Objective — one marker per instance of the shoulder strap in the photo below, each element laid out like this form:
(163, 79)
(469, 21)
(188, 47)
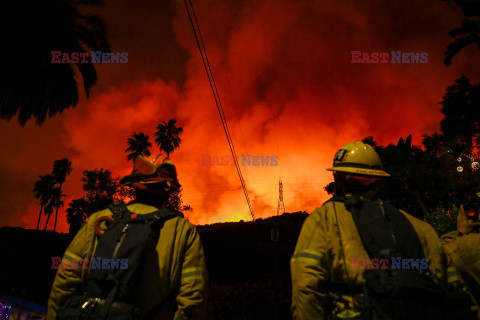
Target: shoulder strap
(154, 217)
(353, 201)
(118, 209)
(385, 231)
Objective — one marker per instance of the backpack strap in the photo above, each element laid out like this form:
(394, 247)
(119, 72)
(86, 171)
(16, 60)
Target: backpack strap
(384, 230)
(155, 217)
(118, 209)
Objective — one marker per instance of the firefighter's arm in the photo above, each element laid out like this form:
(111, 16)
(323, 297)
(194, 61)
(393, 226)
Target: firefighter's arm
(464, 226)
(193, 282)
(450, 237)
(309, 271)
(455, 278)
(68, 280)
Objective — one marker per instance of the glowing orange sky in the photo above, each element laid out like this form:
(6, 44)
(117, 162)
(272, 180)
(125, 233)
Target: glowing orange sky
(284, 74)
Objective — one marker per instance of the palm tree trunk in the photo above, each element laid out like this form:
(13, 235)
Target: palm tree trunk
(46, 224)
(39, 216)
(56, 209)
(55, 224)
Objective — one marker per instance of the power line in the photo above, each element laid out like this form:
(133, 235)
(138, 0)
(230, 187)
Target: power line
(211, 80)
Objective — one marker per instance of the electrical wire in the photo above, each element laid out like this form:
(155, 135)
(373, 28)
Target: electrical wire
(213, 86)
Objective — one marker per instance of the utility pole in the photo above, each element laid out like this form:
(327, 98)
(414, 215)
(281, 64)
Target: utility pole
(280, 197)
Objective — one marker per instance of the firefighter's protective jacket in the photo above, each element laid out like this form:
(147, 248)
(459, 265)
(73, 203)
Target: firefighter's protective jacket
(175, 278)
(327, 243)
(464, 250)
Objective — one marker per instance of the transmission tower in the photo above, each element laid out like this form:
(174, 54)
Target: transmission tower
(280, 197)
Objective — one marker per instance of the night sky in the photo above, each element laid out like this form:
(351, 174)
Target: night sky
(283, 69)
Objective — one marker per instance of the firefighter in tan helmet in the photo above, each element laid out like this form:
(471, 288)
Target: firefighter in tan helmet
(354, 232)
(172, 281)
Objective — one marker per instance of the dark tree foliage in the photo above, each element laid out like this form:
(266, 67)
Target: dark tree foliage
(43, 190)
(48, 189)
(138, 145)
(414, 176)
(461, 125)
(430, 180)
(167, 136)
(100, 189)
(441, 173)
(55, 202)
(48, 212)
(61, 169)
(77, 214)
(31, 86)
(175, 202)
(469, 31)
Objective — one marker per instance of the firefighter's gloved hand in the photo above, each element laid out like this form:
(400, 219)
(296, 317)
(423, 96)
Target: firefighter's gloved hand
(465, 225)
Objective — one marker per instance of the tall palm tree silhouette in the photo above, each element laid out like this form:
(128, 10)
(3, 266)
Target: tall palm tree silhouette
(43, 190)
(55, 202)
(167, 136)
(138, 145)
(61, 168)
(31, 85)
(48, 212)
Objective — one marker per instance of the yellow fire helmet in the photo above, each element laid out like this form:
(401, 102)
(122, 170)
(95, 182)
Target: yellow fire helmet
(146, 172)
(358, 158)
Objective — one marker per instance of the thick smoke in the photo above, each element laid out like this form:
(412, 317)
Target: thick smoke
(284, 73)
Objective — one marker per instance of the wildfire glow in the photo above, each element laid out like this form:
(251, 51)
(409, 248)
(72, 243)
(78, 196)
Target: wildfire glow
(288, 89)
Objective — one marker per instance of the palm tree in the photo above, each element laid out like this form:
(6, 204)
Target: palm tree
(55, 202)
(48, 211)
(468, 33)
(43, 189)
(167, 136)
(61, 168)
(138, 145)
(77, 214)
(33, 86)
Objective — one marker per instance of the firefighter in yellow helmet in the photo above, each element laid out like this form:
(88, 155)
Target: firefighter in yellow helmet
(172, 282)
(463, 247)
(330, 258)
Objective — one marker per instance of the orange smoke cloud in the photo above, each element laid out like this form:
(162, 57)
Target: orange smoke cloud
(288, 89)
